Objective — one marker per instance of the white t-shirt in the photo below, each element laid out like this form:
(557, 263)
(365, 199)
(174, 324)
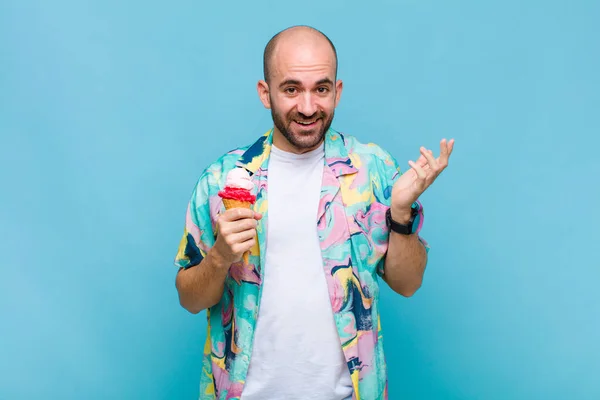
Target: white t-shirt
(297, 352)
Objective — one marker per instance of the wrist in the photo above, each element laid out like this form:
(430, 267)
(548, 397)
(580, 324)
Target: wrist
(401, 215)
(217, 259)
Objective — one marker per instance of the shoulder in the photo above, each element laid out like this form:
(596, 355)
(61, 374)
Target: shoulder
(368, 153)
(213, 175)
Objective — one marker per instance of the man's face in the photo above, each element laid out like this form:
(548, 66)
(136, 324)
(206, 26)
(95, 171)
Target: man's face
(302, 95)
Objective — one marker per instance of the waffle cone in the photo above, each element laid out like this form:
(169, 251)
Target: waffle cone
(232, 203)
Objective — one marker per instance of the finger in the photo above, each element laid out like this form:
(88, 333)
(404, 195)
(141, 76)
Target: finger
(428, 154)
(422, 162)
(445, 150)
(450, 146)
(421, 174)
(240, 248)
(240, 225)
(244, 236)
(235, 214)
(248, 244)
(235, 239)
(257, 216)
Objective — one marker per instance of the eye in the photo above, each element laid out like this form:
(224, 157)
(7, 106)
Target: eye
(290, 90)
(323, 89)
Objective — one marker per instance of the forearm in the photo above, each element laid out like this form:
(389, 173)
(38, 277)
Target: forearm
(405, 261)
(201, 287)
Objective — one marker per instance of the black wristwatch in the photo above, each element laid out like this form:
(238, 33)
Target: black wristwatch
(403, 229)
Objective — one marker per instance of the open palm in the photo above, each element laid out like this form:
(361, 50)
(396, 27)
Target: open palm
(422, 174)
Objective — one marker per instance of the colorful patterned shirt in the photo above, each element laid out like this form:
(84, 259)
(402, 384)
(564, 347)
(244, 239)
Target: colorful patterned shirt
(355, 195)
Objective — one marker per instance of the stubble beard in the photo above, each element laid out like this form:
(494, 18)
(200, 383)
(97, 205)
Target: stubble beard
(309, 138)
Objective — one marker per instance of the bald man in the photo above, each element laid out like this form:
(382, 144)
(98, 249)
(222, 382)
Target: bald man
(299, 318)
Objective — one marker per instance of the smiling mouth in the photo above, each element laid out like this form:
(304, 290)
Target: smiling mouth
(306, 123)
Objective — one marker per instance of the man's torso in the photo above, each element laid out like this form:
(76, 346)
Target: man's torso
(297, 353)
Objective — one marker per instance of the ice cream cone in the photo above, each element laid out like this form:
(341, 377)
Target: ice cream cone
(237, 193)
(231, 203)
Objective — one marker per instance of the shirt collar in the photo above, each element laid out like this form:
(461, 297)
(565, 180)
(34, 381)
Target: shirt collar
(336, 154)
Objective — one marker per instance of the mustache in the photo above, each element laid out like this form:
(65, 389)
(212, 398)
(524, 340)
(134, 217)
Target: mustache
(303, 118)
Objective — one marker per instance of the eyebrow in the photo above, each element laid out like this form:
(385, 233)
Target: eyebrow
(325, 81)
(289, 82)
(298, 83)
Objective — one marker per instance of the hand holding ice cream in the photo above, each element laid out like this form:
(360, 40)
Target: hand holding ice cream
(238, 194)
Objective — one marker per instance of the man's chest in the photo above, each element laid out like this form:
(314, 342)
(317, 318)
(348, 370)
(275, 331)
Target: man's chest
(293, 199)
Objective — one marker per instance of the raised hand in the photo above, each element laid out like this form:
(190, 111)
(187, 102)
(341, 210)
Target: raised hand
(422, 174)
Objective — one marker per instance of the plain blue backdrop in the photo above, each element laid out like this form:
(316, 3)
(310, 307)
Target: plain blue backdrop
(110, 110)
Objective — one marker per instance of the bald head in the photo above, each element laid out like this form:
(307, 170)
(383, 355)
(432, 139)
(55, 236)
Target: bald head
(293, 38)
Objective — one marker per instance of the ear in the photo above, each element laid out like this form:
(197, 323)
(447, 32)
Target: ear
(339, 85)
(263, 93)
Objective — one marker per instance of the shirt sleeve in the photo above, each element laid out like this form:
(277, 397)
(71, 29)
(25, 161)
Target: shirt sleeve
(198, 233)
(389, 172)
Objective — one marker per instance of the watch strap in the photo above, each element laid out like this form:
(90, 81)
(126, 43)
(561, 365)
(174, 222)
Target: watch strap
(405, 229)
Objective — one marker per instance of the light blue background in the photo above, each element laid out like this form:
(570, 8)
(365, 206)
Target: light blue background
(109, 111)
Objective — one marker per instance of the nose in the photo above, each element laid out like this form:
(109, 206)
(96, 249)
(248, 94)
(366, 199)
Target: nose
(306, 104)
